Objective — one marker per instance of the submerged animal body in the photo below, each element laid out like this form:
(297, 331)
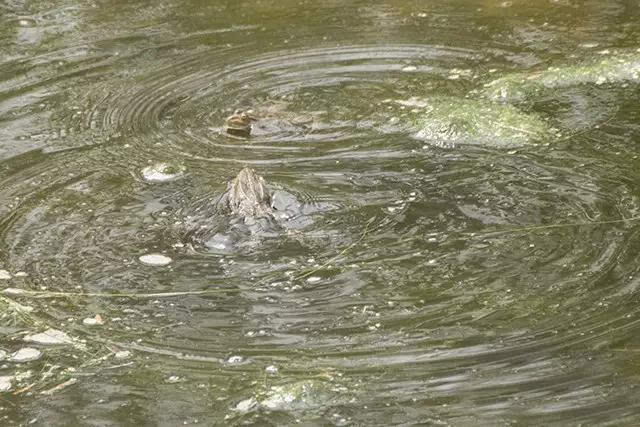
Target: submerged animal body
(268, 119)
(247, 195)
(246, 209)
(239, 124)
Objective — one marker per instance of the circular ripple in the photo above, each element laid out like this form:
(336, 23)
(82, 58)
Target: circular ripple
(469, 275)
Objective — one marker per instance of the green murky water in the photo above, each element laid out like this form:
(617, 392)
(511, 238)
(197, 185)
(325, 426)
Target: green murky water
(462, 247)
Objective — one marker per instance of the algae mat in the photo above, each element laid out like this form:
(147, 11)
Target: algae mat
(610, 69)
(450, 121)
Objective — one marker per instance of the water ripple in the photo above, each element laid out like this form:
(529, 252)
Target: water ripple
(428, 276)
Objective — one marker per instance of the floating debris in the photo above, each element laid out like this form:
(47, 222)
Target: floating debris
(4, 275)
(123, 354)
(59, 387)
(245, 405)
(14, 306)
(93, 321)
(162, 172)
(271, 369)
(26, 354)
(313, 279)
(155, 259)
(23, 376)
(3, 354)
(50, 337)
(301, 395)
(234, 360)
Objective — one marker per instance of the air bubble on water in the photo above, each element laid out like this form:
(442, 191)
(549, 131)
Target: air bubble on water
(5, 383)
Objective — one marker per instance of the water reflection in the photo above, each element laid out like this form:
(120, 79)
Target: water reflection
(418, 282)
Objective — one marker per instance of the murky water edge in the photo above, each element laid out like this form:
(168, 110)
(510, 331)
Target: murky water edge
(460, 245)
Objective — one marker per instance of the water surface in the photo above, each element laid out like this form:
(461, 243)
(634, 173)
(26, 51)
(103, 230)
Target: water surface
(452, 276)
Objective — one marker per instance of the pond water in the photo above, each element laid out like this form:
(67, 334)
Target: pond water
(462, 248)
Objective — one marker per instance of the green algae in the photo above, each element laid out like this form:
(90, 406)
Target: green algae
(447, 121)
(160, 172)
(614, 69)
(301, 395)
